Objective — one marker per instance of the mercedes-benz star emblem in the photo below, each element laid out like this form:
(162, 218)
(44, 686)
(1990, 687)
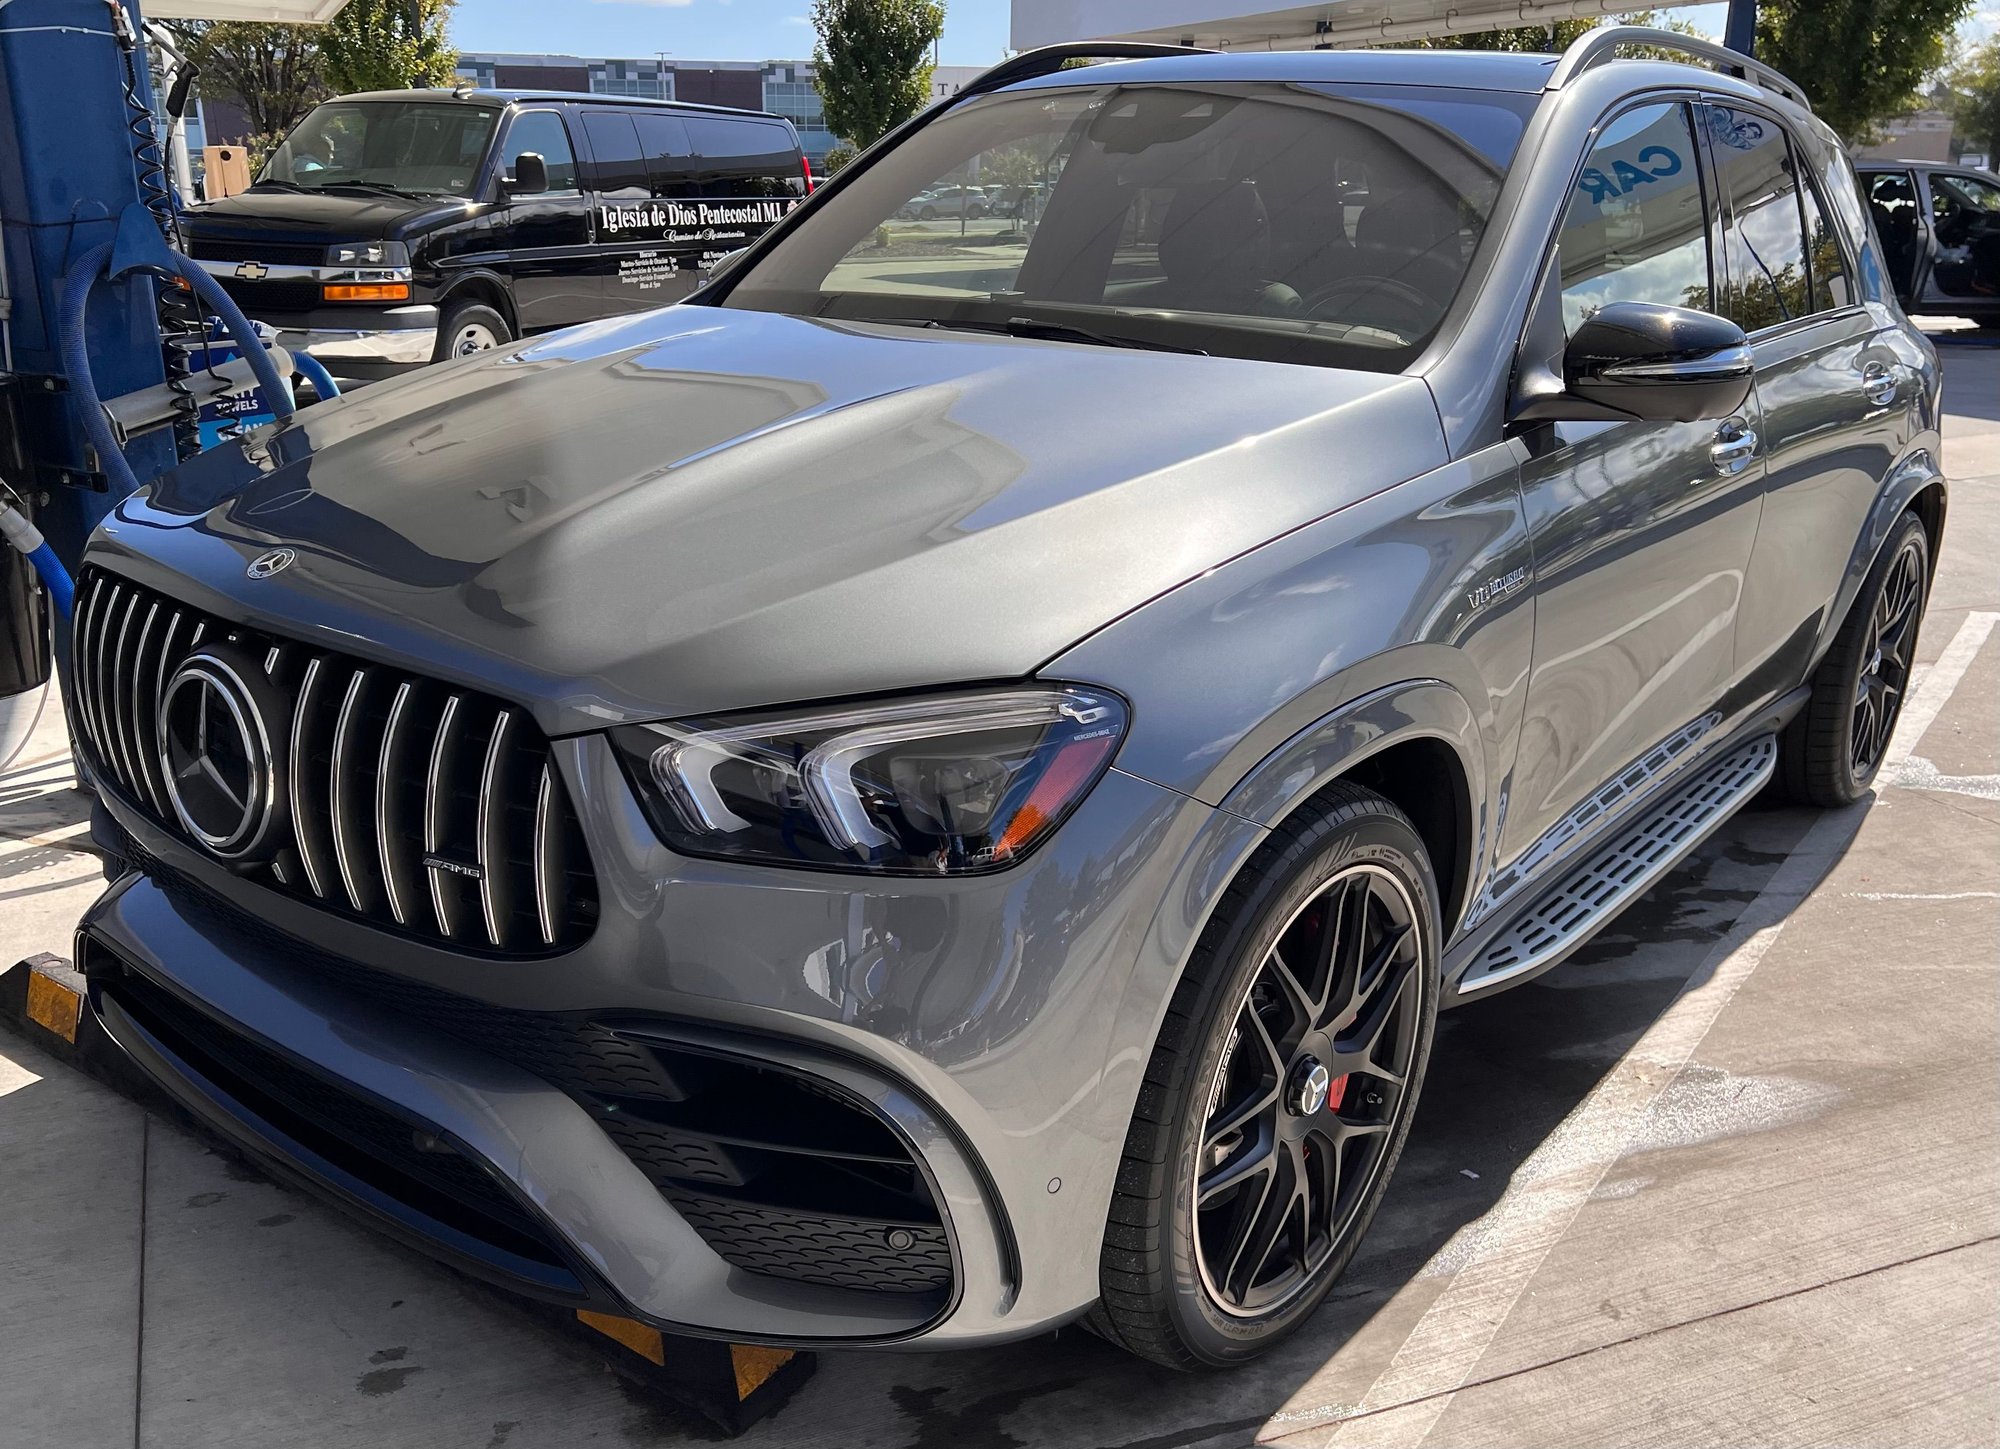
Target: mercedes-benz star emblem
(217, 753)
(274, 562)
(1309, 1088)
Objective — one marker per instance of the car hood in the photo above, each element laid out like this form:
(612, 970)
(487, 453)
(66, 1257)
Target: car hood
(701, 509)
(335, 216)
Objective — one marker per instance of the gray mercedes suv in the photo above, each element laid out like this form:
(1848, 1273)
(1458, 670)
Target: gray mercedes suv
(938, 788)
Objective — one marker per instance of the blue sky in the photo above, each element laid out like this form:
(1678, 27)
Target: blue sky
(975, 31)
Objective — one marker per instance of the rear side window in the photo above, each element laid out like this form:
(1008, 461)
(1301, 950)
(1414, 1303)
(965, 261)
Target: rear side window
(1764, 233)
(663, 140)
(1636, 228)
(620, 165)
(744, 158)
(1826, 262)
(543, 132)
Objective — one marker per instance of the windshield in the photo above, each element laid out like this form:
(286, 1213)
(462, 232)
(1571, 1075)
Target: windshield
(416, 148)
(1277, 221)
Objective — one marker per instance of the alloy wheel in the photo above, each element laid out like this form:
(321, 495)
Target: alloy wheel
(1311, 1085)
(1885, 670)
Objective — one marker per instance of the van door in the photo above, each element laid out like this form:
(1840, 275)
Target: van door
(546, 237)
(648, 250)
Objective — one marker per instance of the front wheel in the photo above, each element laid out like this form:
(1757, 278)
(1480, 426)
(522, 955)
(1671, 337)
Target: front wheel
(1280, 1092)
(1831, 753)
(470, 327)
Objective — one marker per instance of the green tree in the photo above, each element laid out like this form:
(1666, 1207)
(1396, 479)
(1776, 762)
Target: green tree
(1974, 86)
(274, 71)
(1536, 39)
(872, 63)
(1860, 61)
(387, 45)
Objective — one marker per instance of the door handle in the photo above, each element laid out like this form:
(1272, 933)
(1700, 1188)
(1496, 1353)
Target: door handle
(1734, 450)
(1879, 384)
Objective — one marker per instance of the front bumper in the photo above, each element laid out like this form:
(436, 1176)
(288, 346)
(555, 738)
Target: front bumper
(391, 337)
(999, 1024)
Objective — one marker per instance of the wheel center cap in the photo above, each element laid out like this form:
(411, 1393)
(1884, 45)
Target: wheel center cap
(1311, 1083)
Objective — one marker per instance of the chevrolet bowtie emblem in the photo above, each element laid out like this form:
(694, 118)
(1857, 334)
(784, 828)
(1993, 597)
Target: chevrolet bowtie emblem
(252, 271)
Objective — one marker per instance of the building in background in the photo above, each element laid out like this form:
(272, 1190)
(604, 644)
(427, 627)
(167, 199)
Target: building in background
(1919, 136)
(784, 87)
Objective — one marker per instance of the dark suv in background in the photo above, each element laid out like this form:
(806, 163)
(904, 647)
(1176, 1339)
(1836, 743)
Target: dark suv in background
(932, 792)
(396, 228)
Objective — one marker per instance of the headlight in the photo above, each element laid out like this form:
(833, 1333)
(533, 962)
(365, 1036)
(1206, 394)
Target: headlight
(944, 786)
(368, 254)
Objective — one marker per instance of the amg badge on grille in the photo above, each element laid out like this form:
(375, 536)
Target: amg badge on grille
(456, 867)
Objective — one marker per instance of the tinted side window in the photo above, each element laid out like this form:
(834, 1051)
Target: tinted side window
(1765, 246)
(620, 165)
(1825, 260)
(744, 158)
(544, 133)
(663, 139)
(1636, 229)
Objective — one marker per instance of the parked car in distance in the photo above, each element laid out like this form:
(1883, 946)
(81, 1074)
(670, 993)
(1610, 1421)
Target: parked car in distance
(918, 800)
(396, 228)
(1940, 230)
(942, 201)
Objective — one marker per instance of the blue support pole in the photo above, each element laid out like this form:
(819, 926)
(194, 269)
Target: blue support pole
(1740, 32)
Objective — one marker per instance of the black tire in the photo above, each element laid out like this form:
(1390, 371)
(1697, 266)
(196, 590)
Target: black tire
(1161, 1296)
(1830, 754)
(929, 213)
(469, 318)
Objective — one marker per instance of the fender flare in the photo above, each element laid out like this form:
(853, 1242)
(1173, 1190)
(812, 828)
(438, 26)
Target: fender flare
(1917, 471)
(474, 276)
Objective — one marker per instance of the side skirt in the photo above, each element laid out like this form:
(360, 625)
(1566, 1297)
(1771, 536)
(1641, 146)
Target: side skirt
(1554, 922)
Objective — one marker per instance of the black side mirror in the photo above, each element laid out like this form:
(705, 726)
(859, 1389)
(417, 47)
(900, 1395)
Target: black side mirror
(1656, 364)
(531, 174)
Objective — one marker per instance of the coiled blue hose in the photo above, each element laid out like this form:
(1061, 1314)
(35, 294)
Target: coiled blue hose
(77, 282)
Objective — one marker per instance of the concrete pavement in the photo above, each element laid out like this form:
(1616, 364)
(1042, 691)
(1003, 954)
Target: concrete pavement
(1728, 1177)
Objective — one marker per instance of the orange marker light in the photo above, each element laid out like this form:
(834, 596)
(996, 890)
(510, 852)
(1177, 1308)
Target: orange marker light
(366, 291)
(1072, 768)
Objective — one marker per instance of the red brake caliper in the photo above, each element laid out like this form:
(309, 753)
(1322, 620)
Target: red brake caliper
(1335, 1092)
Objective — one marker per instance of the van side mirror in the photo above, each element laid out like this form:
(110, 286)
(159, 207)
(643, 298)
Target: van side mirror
(1650, 363)
(531, 174)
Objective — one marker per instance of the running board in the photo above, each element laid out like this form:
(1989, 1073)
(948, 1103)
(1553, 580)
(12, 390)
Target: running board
(1609, 880)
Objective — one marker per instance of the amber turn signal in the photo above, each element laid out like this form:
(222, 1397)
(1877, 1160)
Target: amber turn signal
(366, 292)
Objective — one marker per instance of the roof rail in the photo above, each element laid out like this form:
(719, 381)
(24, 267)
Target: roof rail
(1049, 58)
(1594, 47)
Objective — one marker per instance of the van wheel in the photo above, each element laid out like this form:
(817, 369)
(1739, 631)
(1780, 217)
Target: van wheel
(1280, 1091)
(470, 327)
(1830, 754)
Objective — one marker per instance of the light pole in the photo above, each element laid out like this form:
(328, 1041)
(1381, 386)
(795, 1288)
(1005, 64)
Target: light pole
(1740, 34)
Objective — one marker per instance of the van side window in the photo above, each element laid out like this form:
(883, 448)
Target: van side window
(744, 158)
(663, 140)
(1764, 231)
(1636, 229)
(544, 133)
(620, 166)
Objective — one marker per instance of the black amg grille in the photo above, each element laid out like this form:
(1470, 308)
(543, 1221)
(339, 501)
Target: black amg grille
(427, 810)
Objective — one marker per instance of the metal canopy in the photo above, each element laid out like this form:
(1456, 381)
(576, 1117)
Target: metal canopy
(291, 12)
(1247, 25)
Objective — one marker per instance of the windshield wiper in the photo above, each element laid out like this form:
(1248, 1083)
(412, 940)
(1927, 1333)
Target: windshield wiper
(381, 187)
(280, 186)
(1043, 331)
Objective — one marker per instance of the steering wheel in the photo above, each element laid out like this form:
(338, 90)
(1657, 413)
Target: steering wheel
(1384, 302)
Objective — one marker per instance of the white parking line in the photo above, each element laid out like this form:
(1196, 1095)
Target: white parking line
(1509, 1244)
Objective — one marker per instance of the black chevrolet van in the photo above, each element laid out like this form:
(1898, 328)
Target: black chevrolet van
(396, 228)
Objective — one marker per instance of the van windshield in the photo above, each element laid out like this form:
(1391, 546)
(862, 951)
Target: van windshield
(1286, 222)
(413, 148)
